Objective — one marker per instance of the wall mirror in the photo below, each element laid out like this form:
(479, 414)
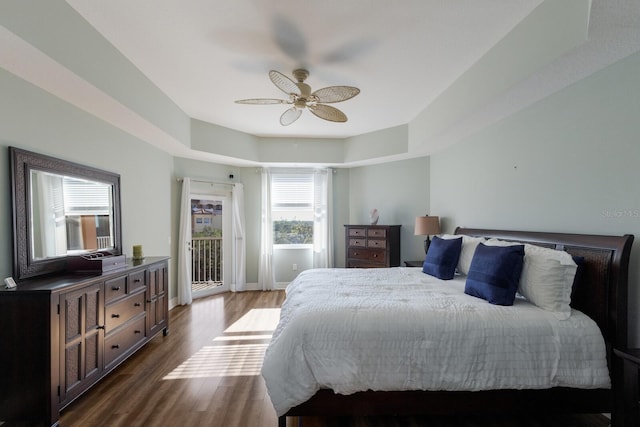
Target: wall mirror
(61, 209)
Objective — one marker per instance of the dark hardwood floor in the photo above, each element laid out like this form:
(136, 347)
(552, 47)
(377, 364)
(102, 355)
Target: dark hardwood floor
(206, 372)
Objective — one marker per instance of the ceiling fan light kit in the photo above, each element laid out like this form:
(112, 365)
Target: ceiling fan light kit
(301, 97)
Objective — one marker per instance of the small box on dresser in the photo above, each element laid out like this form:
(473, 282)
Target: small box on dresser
(372, 246)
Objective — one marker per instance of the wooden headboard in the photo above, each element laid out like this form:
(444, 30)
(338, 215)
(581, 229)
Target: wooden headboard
(601, 290)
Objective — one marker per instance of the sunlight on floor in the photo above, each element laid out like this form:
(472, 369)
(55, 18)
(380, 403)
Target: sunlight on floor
(227, 357)
(222, 361)
(258, 319)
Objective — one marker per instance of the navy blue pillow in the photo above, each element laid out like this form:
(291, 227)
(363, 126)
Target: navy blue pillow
(442, 258)
(494, 273)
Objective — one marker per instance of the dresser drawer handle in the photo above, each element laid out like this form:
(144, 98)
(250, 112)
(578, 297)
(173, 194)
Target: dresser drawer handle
(137, 304)
(115, 346)
(115, 316)
(115, 288)
(356, 253)
(137, 331)
(375, 255)
(137, 281)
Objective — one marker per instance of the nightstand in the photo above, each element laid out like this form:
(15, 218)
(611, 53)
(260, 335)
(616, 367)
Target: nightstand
(413, 263)
(627, 377)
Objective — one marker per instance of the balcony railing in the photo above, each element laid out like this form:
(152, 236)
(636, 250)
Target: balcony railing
(206, 260)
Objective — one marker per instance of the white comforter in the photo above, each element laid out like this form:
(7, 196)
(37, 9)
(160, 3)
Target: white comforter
(399, 329)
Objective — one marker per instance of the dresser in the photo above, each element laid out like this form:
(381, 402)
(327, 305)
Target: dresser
(370, 246)
(62, 333)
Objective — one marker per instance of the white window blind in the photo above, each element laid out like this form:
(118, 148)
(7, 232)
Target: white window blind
(86, 198)
(292, 192)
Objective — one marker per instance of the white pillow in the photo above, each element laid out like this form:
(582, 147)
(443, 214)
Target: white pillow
(469, 245)
(547, 277)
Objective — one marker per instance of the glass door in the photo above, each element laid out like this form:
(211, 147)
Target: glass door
(210, 235)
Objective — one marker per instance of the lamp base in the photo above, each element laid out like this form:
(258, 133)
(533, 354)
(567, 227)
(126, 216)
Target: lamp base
(427, 243)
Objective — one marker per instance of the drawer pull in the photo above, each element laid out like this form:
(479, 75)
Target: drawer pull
(136, 280)
(115, 346)
(115, 288)
(115, 316)
(137, 331)
(137, 304)
(356, 253)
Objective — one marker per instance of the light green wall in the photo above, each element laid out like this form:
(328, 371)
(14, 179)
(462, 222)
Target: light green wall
(400, 192)
(59, 31)
(568, 163)
(37, 121)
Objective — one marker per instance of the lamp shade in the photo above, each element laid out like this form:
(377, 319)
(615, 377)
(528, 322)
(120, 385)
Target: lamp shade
(427, 225)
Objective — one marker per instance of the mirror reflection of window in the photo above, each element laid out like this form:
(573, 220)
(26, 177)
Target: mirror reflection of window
(48, 219)
(69, 215)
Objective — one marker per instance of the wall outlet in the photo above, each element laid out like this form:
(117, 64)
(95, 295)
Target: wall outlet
(9, 283)
(294, 267)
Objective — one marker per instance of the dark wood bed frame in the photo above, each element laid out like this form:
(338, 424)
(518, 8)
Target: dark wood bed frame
(601, 293)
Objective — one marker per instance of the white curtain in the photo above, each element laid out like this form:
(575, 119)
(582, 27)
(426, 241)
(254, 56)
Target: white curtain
(323, 219)
(266, 273)
(239, 246)
(184, 246)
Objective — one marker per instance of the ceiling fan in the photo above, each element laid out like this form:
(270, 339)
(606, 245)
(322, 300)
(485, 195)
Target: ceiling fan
(301, 97)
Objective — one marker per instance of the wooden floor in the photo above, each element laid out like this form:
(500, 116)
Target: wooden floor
(206, 372)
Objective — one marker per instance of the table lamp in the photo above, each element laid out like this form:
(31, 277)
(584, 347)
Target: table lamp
(425, 226)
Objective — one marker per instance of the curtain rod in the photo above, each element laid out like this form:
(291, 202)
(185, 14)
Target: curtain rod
(297, 169)
(207, 181)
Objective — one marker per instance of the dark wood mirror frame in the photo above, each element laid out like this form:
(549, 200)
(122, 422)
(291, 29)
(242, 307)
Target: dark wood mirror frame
(22, 163)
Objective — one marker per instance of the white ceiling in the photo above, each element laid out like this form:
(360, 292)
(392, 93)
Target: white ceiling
(445, 68)
(205, 54)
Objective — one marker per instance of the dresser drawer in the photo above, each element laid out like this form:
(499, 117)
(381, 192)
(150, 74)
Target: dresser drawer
(117, 344)
(357, 232)
(377, 232)
(373, 255)
(363, 263)
(115, 288)
(136, 281)
(376, 243)
(120, 312)
(357, 243)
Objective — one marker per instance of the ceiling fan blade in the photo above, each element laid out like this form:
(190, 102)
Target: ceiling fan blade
(331, 94)
(290, 116)
(284, 83)
(262, 101)
(328, 113)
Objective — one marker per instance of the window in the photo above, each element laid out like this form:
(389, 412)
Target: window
(292, 208)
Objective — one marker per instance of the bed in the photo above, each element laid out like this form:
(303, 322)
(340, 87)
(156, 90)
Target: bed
(311, 377)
